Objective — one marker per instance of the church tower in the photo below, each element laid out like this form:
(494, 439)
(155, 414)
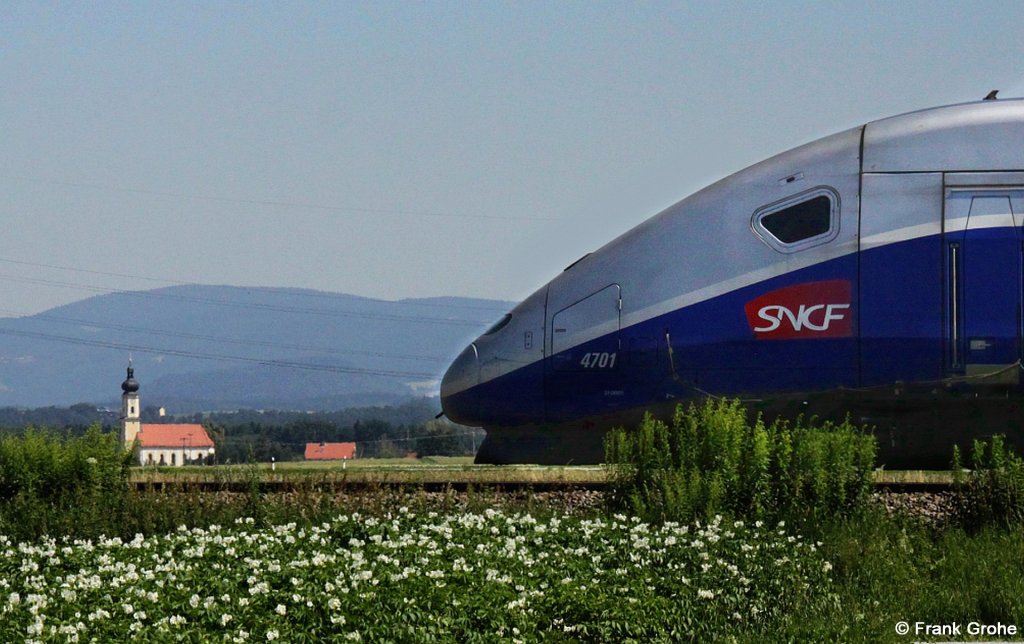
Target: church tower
(130, 419)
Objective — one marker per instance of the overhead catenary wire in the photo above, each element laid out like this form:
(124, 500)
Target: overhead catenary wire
(393, 212)
(292, 364)
(222, 339)
(162, 295)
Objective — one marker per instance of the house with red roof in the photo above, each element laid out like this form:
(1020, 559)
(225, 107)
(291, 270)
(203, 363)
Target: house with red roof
(160, 443)
(330, 451)
(173, 444)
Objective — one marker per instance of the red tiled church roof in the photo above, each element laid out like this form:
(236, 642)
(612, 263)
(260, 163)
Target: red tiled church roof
(174, 435)
(330, 451)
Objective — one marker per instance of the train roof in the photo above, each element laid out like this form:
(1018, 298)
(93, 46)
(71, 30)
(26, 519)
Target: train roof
(969, 137)
(980, 136)
(983, 136)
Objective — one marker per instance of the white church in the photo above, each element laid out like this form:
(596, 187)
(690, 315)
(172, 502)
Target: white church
(160, 443)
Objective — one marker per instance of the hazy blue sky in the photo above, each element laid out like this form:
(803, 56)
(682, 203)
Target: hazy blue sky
(414, 149)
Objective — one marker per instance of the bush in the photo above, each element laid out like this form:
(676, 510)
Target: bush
(992, 492)
(711, 460)
(49, 483)
(41, 464)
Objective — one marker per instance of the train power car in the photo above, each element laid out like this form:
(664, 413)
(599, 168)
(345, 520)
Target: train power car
(875, 273)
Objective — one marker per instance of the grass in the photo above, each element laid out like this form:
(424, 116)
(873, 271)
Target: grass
(892, 569)
(914, 477)
(420, 471)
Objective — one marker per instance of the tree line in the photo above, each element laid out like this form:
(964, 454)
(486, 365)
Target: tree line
(261, 435)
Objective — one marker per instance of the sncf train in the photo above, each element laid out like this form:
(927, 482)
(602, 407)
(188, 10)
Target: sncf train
(876, 273)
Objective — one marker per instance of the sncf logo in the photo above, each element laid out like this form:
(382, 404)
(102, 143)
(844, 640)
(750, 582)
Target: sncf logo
(811, 310)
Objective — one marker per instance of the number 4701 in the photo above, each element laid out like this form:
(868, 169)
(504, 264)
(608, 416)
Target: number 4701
(598, 360)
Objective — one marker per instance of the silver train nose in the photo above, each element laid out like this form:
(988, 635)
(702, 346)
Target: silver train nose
(457, 399)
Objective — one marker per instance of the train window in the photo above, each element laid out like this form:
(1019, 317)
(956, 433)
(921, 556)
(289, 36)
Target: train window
(499, 325)
(806, 220)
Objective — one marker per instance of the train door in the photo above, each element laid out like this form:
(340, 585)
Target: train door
(901, 291)
(586, 355)
(984, 263)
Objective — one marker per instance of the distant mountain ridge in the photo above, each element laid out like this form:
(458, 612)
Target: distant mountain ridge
(206, 348)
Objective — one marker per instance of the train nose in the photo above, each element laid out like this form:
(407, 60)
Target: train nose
(457, 399)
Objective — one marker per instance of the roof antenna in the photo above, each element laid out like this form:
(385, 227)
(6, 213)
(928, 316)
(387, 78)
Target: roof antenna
(991, 96)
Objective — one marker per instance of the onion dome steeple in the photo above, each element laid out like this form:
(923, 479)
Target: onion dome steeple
(130, 422)
(130, 384)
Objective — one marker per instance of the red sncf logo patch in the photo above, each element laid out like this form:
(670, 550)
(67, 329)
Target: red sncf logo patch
(811, 310)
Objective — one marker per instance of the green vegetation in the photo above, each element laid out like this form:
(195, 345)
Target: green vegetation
(82, 487)
(963, 568)
(773, 547)
(55, 485)
(888, 569)
(403, 576)
(39, 464)
(992, 492)
(259, 436)
(711, 460)
(375, 438)
(76, 418)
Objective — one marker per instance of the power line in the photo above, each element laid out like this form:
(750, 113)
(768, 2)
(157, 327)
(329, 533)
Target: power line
(222, 339)
(90, 272)
(213, 356)
(283, 204)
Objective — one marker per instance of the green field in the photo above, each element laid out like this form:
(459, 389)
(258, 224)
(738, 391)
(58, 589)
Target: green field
(407, 577)
(401, 575)
(439, 469)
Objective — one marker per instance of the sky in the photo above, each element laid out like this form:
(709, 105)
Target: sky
(417, 149)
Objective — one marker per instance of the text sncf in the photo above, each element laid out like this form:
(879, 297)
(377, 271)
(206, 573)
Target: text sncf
(774, 314)
(809, 310)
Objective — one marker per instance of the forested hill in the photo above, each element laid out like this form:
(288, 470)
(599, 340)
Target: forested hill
(201, 348)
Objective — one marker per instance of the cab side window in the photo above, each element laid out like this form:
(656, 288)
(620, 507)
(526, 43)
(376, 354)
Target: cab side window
(799, 222)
